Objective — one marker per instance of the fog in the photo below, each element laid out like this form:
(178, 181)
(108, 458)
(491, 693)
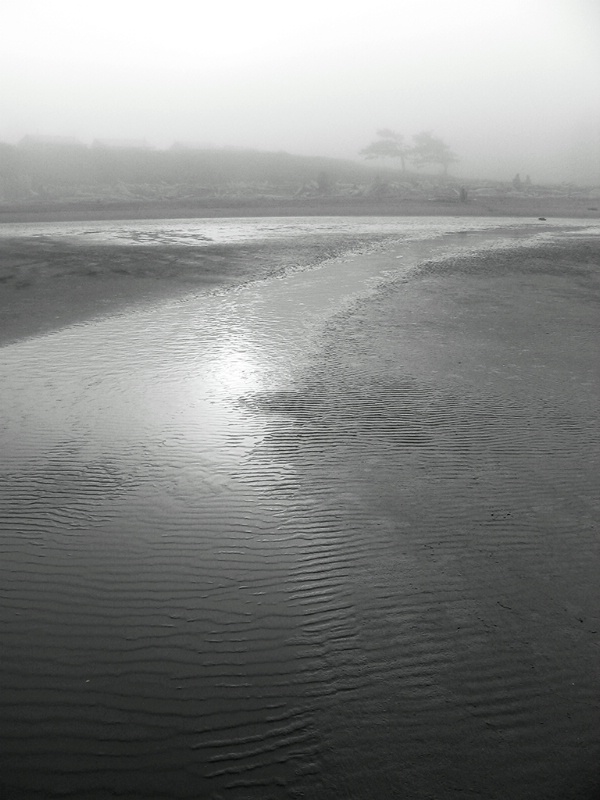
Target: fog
(511, 87)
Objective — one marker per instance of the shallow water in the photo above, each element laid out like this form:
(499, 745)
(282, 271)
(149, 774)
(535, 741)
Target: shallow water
(200, 597)
(228, 230)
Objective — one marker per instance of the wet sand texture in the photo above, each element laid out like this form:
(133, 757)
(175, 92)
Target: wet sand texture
(56, 275)
(49, 282)
(388, 588)
(455, 431)
(533, 206)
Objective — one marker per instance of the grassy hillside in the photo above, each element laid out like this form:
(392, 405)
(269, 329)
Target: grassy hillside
(59, 171)
(45, 177)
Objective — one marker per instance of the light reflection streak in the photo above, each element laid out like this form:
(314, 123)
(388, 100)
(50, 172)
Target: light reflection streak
(237, 368)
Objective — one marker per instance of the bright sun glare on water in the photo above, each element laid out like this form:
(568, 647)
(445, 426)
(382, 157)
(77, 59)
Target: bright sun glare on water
(235, 370)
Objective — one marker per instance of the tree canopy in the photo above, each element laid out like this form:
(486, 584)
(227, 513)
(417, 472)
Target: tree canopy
(389, 145)
(427, 149)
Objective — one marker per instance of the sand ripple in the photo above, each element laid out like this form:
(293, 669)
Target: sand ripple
(375, 579)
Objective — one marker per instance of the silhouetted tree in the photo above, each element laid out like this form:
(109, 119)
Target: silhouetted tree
(389, 145)
(429, 149)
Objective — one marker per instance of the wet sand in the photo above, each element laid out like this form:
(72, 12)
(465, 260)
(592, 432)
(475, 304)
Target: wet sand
(48, 283)
(54, 277)
(426, 205)
(456, 423)
(386, 584)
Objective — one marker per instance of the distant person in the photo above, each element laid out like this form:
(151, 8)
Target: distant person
(517, 182)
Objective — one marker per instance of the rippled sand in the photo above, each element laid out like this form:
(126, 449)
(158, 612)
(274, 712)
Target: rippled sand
(254, 550)
(57, 274)
(51, 281)
(453, 433)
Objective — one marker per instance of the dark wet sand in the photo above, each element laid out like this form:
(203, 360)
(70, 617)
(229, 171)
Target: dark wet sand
(426, 205)
(49, 283)
(412, 612)
(456, 422)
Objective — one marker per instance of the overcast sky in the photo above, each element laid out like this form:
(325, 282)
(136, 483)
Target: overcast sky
(511, 85)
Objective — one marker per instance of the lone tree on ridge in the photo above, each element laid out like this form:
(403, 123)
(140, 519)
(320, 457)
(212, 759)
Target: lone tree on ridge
(389, 145)
(429, 149)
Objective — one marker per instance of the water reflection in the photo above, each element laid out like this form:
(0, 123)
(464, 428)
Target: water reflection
(200, 232)
(185, 592)
(236, 368)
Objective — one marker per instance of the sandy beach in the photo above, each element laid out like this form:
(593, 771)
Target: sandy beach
(49, 283)
(425, 205)
(328, 534)
(467, 400)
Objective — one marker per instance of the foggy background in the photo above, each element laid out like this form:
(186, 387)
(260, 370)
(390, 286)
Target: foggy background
(511, 87)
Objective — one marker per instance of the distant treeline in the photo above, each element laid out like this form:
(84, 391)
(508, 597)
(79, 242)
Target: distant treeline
(39, 169)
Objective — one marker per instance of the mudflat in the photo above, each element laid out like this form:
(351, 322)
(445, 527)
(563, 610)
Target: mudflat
(49, 282)
(458, 410)
(582, 205)
(375, 576)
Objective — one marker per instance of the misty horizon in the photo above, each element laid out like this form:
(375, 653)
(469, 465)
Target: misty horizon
(383, 165)
(511, 90)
